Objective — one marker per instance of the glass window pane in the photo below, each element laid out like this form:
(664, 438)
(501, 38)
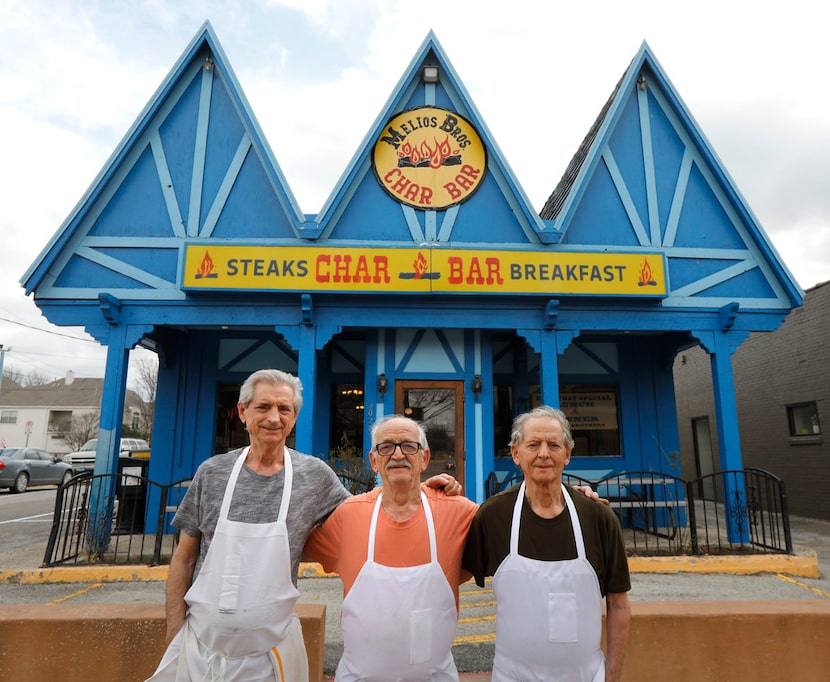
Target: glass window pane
(593, 414)
(803, 419)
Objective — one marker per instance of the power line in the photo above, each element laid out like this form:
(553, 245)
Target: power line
(46, 331)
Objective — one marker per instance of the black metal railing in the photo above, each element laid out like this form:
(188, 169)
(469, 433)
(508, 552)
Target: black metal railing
(728, 512)
(125, 518)
(103, 519)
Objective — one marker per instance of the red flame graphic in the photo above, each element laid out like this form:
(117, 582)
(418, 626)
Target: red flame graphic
(205, 267)
(443, 151)
(419, 265)
(437, 156)
(646, 275)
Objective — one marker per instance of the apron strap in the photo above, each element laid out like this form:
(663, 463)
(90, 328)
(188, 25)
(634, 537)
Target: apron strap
(517, 517)
(226, 499)
(577, 527)
(286, 486)
(433, 545)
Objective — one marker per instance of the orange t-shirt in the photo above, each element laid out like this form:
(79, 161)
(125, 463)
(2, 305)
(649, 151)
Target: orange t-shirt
(341, 542)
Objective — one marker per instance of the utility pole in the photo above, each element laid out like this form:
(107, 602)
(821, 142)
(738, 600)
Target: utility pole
(3, 351)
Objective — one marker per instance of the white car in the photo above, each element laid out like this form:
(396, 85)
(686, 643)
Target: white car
(84, 459)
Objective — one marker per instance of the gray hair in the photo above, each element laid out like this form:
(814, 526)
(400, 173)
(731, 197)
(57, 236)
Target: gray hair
(517, 432)
(422, 434)
(274, 377)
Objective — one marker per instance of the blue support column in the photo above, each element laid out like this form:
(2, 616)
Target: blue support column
(306, 370)
(549, 369)
(102, 496)
(723, 345)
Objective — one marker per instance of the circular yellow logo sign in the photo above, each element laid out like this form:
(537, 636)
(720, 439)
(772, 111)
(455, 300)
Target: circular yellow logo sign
(429, 158)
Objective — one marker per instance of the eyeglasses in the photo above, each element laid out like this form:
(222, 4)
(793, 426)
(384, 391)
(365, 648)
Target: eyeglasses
(408, 447)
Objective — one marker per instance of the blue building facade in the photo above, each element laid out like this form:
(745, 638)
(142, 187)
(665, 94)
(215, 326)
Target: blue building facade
(426, 285)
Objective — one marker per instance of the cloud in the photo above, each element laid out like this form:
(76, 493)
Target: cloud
(318, 72)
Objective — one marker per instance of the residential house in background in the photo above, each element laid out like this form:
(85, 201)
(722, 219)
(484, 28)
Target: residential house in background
(41, 416)
(782, 390)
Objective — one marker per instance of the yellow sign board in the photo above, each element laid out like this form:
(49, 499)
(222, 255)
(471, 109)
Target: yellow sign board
(228, 267)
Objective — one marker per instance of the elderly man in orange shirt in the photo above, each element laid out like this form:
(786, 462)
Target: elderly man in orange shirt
(398, 551)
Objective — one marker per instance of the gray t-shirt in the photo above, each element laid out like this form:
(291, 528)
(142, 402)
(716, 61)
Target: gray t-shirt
(315, 492)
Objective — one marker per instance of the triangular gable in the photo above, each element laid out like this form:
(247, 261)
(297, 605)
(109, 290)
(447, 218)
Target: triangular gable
(195, 165)
(646, 177)
(360, 209)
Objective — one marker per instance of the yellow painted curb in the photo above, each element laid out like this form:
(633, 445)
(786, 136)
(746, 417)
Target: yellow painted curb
(85, 574)
(804, 565)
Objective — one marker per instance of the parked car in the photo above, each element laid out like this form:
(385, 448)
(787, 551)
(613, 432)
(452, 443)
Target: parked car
(22, 467)
(84, 459)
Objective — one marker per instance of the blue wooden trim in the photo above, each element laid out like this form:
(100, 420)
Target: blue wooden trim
(306, 371)
(199, 153)
(648, 165)
(410, 350)
(679, 197)
(225, 188)
(412, 223)
(733, 203)
(533, 338)
(430, 225)
(627, 202)
(123, 268)
(564, 339)
(549, 368)
(448, 223)
(165, 180)
(328, 221)
(448, 349)
(715, 278)
(429, 93)
(291, 334)
(325, 333)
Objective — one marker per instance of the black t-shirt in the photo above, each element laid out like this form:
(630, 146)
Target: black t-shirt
(488, 541)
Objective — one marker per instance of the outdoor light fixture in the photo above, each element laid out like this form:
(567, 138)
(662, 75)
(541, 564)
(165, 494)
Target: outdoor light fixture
(476, 385)
(430, 74)
(383, 384)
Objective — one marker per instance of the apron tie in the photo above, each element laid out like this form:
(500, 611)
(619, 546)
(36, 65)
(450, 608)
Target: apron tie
(223, 666)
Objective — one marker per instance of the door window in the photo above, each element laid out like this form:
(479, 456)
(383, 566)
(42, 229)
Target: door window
(439, 407)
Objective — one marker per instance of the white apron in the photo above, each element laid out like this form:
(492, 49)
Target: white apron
(240, 624)
(548, 614)
(399, 623)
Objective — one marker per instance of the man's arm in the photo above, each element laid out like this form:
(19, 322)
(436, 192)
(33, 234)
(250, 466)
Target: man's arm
(179, 579)
(617, 621)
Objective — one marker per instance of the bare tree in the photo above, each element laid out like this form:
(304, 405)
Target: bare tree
(14, 374)
(84, 426)
(145, 378)
(33, 377)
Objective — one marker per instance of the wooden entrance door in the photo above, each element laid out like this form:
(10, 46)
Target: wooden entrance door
(439, 407)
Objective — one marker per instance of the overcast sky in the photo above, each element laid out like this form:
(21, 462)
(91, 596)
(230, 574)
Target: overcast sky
(75, 74)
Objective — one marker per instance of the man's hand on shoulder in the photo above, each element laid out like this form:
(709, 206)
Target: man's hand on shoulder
(446, 482)
(590, 493)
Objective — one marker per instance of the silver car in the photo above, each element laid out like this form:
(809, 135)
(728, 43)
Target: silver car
(22, 467)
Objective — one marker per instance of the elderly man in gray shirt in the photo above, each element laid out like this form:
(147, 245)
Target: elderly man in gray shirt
(232, 583)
